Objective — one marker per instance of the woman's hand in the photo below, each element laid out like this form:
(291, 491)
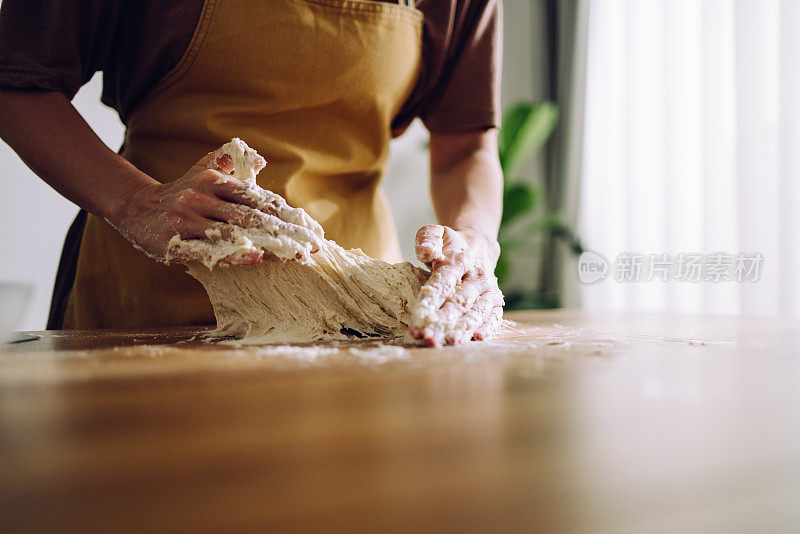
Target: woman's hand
(461, 300)
(206, 198)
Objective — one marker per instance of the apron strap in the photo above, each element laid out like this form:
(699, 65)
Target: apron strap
(65, 276)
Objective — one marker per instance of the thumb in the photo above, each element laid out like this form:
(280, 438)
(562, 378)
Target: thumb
(216, 161)
(428, 243)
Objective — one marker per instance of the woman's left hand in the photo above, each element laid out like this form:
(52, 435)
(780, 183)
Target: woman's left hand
(461, 300)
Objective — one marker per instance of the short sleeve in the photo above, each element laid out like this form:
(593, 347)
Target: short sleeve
(466, 94)
(55, 45)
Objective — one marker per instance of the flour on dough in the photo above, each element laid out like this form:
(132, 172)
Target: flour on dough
(306, 288)
(337, 294)
(287, 233)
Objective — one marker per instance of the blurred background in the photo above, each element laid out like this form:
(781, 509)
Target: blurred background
(634, 131)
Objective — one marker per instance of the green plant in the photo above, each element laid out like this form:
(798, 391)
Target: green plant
(525, 129)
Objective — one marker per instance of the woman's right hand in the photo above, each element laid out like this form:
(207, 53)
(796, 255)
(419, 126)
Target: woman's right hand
(205, 198)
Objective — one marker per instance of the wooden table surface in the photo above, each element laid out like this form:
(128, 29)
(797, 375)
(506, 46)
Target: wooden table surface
(570, 421)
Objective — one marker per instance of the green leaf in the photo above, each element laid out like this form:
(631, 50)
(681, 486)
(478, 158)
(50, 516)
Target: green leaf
(553, 224)
(531, 300)
(511, 244)
(549, 223)
(502, 269)
(518, 200)
(525, 129)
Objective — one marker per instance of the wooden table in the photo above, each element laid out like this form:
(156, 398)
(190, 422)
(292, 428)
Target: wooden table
(569, 422)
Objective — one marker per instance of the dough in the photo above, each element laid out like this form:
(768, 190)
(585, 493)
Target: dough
(336, 294)
(306, 288)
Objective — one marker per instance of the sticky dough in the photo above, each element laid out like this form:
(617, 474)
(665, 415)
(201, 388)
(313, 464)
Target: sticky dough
(306, 288)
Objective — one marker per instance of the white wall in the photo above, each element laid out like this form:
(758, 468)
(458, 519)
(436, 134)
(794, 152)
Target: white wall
(34, 218)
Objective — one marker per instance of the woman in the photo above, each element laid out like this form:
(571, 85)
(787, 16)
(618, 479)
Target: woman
(317, 86)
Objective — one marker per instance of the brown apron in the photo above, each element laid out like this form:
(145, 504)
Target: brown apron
(313, 85)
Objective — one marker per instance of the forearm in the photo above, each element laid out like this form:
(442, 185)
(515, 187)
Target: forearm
(467, 182)
(51, 137)
(461, 299)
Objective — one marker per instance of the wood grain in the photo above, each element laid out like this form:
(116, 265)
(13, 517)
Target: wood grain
(569, 422)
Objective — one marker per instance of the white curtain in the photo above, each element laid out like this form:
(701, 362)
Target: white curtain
(692, 149)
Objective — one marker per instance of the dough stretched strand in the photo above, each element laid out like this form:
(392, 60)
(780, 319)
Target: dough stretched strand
(306, 288)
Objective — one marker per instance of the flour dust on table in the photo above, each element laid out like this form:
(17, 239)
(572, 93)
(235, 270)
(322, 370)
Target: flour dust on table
(305, 288)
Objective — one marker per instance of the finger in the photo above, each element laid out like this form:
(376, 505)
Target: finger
(428, 243)
(214, 180)
(245, 217)
(469, 288)
(461, 320)
(484, 306)
(452, 242)
(222, 163)
(451, 311)
(442, 282)
(431, 297)
(297, 216)
(432, 335)
(236, 214)
(226, 187)
(193, 227)
(455, 262)
(458, 336)
(491, 326)
(436, 331)
(250, 194)
(476, 315)
(223, 158)
(242, 216)
(443, 325)
(457, 306)
(233, 190)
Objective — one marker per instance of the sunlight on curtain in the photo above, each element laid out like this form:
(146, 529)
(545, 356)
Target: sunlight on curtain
(692, 155)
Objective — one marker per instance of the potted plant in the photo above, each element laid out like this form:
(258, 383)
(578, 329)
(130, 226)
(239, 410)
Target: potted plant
(526, 127)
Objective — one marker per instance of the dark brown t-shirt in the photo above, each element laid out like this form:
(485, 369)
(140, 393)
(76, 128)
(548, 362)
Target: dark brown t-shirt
(58, 45)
